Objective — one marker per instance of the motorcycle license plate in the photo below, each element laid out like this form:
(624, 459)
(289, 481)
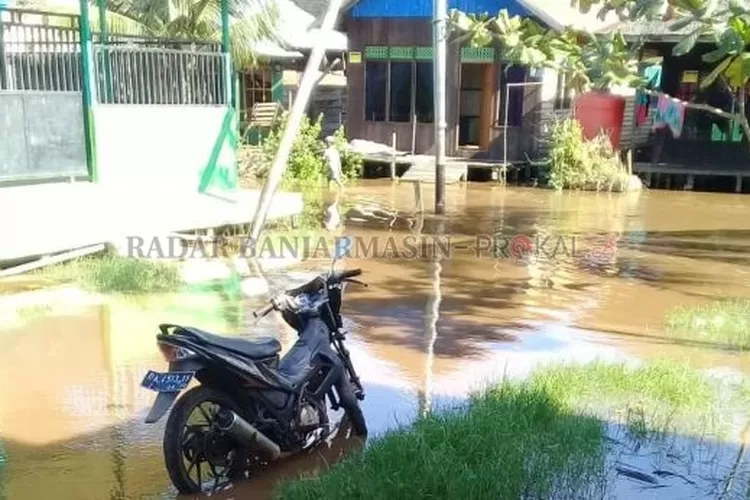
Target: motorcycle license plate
(167, 382)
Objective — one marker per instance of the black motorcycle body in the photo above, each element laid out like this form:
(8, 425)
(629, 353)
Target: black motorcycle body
(269, 405)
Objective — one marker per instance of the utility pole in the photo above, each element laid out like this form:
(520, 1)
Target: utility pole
(309, 79)
(439, 42)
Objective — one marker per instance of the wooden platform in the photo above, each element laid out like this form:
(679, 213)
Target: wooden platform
(50, 218)
(422, 167)
(650, 169)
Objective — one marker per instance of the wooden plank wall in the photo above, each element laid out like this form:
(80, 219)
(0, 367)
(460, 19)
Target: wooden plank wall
(395, 32)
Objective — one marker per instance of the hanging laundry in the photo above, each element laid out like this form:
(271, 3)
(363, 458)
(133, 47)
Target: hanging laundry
(670, 113)
(652, 74)
(642, 105)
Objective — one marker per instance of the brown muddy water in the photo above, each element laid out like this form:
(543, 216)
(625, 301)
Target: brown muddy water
(602, 271)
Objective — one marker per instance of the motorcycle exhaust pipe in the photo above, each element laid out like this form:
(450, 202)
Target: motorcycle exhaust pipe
(246, 434)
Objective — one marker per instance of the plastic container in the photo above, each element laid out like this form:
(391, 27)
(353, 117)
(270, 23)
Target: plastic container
(600, 111)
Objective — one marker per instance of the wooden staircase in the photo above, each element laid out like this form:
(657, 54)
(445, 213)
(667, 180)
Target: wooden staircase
(263, 118)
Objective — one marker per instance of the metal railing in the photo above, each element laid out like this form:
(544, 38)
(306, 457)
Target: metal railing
(143, 75)
(39, 51)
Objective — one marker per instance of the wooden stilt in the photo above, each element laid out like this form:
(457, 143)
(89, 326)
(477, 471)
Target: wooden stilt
(393, 156)
(738, 185)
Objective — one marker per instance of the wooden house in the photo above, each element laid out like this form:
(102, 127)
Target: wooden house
(276, 77)
(494, 110)
(707, 143)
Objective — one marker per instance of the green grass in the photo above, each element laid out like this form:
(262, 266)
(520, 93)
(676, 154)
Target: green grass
(725, 323)
(513, 441)
(538, 438)
(651, 400)
(114, 274)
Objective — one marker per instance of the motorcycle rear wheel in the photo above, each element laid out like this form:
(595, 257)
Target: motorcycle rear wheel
(200, 444)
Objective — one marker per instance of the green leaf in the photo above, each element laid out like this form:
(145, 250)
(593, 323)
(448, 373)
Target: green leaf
(512, 39)
(687, 43)
(714, 74)
(681, 23)
(735, 73)
(715, 55)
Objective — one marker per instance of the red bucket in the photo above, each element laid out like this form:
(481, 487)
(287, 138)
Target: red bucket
(599, 111)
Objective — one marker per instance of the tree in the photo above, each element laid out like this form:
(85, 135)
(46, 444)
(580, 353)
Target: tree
(724, 23)
(591, 61)
(601, 60)
(251, 21)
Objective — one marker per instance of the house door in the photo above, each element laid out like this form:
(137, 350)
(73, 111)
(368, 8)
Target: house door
(476, 105)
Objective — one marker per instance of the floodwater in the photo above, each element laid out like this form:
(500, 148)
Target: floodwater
(602, 271)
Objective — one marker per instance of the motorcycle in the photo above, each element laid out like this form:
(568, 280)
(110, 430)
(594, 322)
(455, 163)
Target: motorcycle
(252, 407)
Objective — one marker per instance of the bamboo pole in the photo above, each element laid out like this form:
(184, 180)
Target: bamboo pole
(295, 117)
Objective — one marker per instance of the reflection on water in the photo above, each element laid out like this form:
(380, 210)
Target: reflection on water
(423, 334)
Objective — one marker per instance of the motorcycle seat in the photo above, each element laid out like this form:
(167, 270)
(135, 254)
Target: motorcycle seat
(255, 348)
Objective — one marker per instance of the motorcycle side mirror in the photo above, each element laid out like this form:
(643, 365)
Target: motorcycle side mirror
(341, 249)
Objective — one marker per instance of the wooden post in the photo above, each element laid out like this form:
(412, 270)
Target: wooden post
(738, 185)
(485, 113)
(393, 156)
(630, 161)
(418, 196)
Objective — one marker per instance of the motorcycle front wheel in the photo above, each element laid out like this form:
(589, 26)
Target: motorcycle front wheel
(197, 455)
(350, 404)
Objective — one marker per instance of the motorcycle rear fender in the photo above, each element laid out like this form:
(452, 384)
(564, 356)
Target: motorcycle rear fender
(164, 400)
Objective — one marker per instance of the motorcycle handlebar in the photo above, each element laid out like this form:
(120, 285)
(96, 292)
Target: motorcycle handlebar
(267, 309)
(339, 276)
(335, 277)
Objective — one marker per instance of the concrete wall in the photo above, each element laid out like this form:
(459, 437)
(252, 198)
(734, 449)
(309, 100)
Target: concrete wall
(41, 135)
(166, 147)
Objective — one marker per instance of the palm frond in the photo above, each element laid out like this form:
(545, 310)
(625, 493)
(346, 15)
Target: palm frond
(121, 24)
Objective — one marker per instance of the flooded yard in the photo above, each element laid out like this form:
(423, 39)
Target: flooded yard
(531, 277)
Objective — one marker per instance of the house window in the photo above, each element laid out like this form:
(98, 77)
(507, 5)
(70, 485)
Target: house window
(401, 91)
(424, 104)
(398, 90)
(376, 83)
(564, 92)
(257, 83)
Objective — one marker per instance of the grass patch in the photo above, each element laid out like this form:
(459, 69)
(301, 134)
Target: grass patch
(114, 274)
(544, 437)
(724, 322)
(652, 400)
(514, 441)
